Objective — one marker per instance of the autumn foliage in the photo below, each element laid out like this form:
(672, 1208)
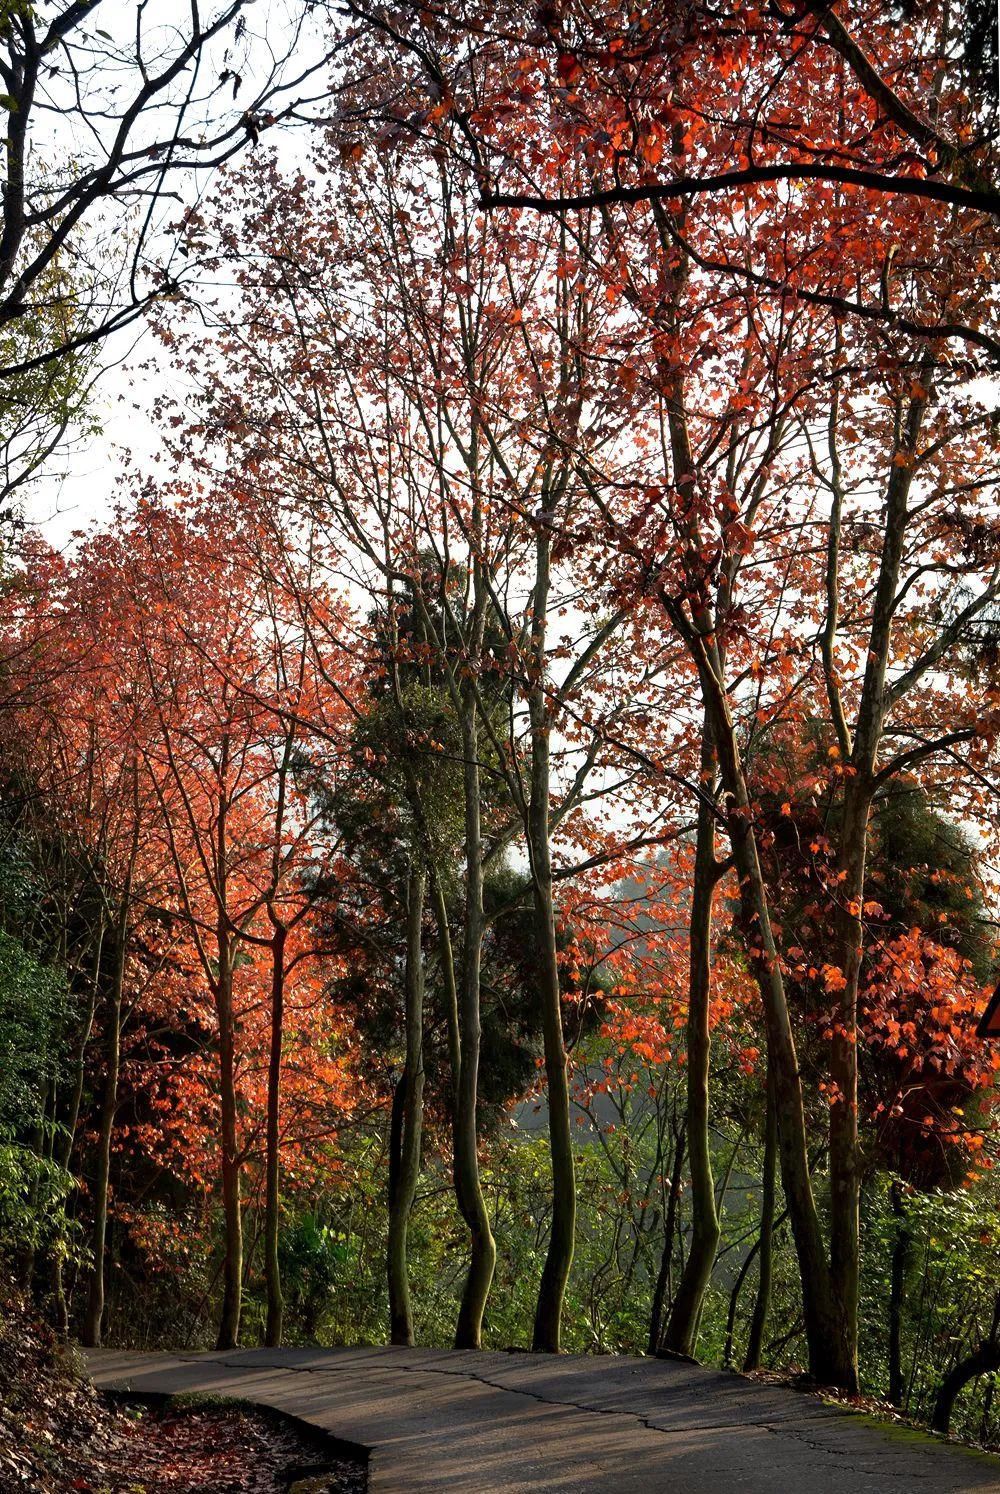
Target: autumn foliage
(538, 718)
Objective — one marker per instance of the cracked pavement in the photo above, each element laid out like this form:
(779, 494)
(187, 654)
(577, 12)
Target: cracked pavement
(516, 1423)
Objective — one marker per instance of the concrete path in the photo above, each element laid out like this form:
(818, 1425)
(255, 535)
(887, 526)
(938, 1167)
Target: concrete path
(469, 1423)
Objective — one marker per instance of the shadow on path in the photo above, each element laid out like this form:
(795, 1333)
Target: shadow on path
(439, 1422)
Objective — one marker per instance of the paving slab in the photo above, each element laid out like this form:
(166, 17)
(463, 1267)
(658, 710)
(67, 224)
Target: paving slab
(435, 1421)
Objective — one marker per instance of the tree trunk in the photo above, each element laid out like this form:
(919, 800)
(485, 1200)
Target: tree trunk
(661, 1290)
(90, 1335)
(25, 1254)
(94, 1314)
(272, 1166)
(900, 1254)
(68, 1138)
(406, 1174)
(845, 1165)
(983, 1361)
(845, 1170)
(232, 1265)
(765, 1242)
(682, 1327)
(447, 960)
(831, 1355)
(468, 1188)
(60, 1306)
(80, 1054)
(396, 1134)
(222, 991)
(832, 1344)
(559, 1257)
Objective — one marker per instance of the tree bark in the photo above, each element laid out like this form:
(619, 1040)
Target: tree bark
(831, 1357)
(25, 1255)
(272, 1165)
(845, 1162)
(734, 1302)
(68, 1138)
(682, 1328)
(468, 1188)
(60, 1306)
(845, 1169)
(447, 961)
(900, 1255)
(405, 1176)
(983, 1361)
(559, 1257)
(661, 1290)
(832, 1346)
(90, 1335)
(232, 1264)
(222, 991)
(396, 1134)
(765, 1241)
(80, 1054)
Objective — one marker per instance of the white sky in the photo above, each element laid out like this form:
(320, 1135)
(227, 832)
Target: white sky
(83, 477)
(79, 487)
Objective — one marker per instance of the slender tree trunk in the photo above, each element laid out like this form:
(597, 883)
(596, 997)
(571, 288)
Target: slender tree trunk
(25, 1254)
(734, 1302)
(987, 1416)
(68, 1139)
(844, 1161)
(272, 1165)
(765, 1243)
(661, 1291)
(682, 1327)
(831, 1358)
(396, 1134)
(832, 1345)
(222, 990)
(80, 1054)
(94, 1314)
(559, 1257)
(447, 960)
(468, 1188)
(982, 1361)
(897, 1283)
(59, 1303)
(875, 700)
(845, 1169)
(403, 1185)
(232, 1264)
(829, 1282)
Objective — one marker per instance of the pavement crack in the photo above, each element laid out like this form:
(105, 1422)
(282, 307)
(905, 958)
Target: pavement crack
(464, 1373)
(824, 1444)
(827, 1449)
